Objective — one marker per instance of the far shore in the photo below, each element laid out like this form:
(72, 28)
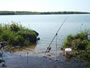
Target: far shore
(39, 13)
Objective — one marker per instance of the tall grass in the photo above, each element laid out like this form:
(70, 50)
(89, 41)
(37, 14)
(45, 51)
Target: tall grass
(15, 34)
(80, 45)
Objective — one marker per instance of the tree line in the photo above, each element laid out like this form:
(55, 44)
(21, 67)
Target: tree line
(30, 12)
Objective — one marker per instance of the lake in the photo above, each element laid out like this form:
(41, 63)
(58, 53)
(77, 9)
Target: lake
(46, 26)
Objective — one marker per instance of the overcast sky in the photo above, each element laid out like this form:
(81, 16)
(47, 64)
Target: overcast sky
(45, 5)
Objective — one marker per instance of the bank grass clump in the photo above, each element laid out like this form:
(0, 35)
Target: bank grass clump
(15, 34)
(80, 45)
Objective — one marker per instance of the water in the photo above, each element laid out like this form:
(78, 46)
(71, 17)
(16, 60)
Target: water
(46, 26)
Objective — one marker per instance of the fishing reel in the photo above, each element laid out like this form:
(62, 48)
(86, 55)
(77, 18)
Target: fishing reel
(48, 49)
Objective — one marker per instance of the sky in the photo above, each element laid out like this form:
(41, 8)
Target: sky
(45, 5)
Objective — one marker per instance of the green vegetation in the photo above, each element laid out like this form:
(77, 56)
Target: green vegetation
(30, 13)
(15, 34)
(80, 46)
(17, 13)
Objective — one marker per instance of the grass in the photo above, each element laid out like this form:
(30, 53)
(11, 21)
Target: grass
(15, 34)
(80, 46)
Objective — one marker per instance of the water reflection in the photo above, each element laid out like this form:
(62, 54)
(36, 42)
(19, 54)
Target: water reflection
(19, 50)
(29, 48)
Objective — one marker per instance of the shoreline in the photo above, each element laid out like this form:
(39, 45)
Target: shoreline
(80, 46)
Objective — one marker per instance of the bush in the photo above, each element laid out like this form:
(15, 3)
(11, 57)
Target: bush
(67, 44)
(80, 46)
(70, 38)
(26, 42)
(82, 36)
(83, 45)
(14, 27)
(15, 34)
(19, 40)
(5, 37)
(77, 42)
(77, 36)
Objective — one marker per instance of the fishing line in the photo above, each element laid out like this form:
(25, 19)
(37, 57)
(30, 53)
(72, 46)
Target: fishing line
(49, 48)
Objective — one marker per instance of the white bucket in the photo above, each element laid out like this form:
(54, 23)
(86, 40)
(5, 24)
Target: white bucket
(68, 51)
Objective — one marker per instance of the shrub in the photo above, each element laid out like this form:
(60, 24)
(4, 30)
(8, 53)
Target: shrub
(70, 38)
(27, 42)
(83, 45)
(19, 40)
(1, 39)
(77, 36)
(1, 29)
(67, 44)
(11, 40)
(5, 37)
(82, 36)
(80, 46)
(15, 34)
(77, 42)
(14, 27)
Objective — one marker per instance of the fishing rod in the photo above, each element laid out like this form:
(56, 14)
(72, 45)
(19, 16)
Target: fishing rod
(49, 48)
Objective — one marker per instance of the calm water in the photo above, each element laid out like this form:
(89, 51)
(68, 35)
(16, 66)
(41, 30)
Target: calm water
(46, 26)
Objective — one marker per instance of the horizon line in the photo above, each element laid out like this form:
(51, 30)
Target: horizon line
(43, 11)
